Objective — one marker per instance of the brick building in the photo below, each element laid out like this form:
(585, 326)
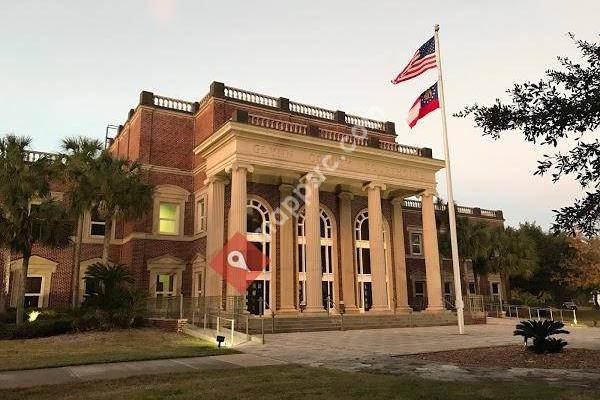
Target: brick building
(238, 161)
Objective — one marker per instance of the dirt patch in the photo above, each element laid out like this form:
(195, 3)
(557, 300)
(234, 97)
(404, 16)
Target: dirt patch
(514, 356)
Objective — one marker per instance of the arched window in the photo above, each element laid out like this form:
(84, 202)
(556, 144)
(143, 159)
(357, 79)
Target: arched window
(327, 257)
(258, 232)
(362, 248)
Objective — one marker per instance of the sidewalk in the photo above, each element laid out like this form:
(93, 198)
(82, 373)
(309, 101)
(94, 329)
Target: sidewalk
(92, 372)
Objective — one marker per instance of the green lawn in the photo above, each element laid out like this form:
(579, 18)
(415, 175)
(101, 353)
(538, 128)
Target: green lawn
(98, 347)
(293, 382)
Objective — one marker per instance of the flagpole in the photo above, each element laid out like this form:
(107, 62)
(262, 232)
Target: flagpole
(451, 213)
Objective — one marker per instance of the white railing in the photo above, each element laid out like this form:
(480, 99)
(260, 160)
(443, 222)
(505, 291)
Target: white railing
(250, 97)
(400, 148)
(412, 203)
(366, 122)
(464, 210)
(279, 125)
(32, 155)
(342, 137)
(488, 213)
(311, 110)
(173, 104)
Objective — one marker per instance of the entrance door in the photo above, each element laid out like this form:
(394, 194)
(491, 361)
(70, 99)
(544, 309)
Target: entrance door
(256, 293)
(327, 291)
(366, 296)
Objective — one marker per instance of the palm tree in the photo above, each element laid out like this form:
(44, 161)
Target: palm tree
(79, 155)
(120, 190)
(23, 181)
(473, 239)
(512, 253)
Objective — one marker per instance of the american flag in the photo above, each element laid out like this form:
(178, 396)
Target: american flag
(423, 60)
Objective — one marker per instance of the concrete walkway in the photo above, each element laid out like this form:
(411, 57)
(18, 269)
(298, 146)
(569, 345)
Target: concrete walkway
(83, 373)
(360, 350)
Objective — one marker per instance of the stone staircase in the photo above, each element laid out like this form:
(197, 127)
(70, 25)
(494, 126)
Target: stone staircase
(304, 323)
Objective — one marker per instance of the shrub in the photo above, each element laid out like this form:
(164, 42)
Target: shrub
(540, 332)
(114, 302)
(38, 328)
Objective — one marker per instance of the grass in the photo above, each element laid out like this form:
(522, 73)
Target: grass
(293, 382)
(100, 347)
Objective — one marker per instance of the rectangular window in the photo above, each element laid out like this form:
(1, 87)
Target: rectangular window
(495, 288)
(416, 243)
(447, 287)
(168, 218)
(165, 285)
(97, 223)
(201, 215)
(471, 287)
(199, 284)
(33, 292)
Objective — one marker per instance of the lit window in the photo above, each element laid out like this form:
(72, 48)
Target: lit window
(201, 215)
(165, 285)
(168, 218)
(416, 244)
(33, 292)
(97, 223)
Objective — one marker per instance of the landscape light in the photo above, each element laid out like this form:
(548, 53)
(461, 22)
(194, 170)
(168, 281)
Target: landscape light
(220, 339)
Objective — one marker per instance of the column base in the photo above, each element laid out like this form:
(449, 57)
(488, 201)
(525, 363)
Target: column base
(288, 311)
(314, 310)
(351, 310)
(403, 310)
(380, 310)
(435, 309)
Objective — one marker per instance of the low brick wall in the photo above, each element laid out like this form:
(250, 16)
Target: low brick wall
(168, 324)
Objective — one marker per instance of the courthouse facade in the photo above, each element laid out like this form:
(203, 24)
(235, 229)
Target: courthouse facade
(344, 214)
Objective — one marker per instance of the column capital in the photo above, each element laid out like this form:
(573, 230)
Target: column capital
(345, 195)
(238, 165)
(374, 185)
(216, 179)
(398, 201)
(428, 192)
(286, 188)
(312, 177)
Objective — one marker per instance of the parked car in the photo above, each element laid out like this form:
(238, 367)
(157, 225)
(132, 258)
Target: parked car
(569, 305)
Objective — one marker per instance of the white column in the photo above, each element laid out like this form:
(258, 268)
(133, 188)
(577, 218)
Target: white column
(215, 232)
(237, 222)
(346, 241)
(399, 257)
(312, 227)
(286, 253)
(376, 246)
(432, 255)
(239, 198)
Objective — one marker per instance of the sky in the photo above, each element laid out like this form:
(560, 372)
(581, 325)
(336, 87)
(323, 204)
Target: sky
(72, 67)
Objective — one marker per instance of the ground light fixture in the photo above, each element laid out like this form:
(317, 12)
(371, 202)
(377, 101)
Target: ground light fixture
(220, 340)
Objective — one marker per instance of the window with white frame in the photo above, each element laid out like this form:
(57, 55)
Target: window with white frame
(201, 215)
(165, 285)
(327, 268)
(33, 291)
(97, 223)
(168, 218)
(495, 286)
(472, 288)
(416, 243)
(198, 281)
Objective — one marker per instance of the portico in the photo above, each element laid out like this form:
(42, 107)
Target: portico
(333, 229)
